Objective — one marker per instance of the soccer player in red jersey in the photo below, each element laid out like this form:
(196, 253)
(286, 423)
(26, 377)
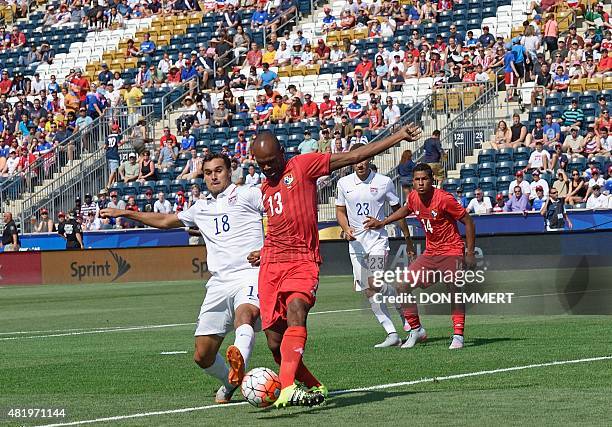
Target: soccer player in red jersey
(445, 252)
(289, 273)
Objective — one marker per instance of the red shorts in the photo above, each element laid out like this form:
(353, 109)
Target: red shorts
(281, 282)
(509, 78)
(428, 270)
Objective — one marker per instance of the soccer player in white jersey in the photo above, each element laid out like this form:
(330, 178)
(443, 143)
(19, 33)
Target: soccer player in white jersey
(360, 195)
(230, 220)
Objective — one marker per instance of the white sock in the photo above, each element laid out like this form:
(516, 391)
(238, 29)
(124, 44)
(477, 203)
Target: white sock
(390, 291)
(245, 341)
(382, 315)
(220, 371)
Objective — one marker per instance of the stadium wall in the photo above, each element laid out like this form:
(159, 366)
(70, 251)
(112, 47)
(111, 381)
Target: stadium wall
(104, 266)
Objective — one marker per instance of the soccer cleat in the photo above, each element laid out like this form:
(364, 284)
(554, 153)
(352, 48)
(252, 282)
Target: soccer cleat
(392, 340)
(416, 335)
(406, 325)
(457, 342)
(224, 395)
(321, 389)
(298, 396)
(236, 365)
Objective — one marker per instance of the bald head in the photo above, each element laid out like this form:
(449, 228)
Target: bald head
(269, 154)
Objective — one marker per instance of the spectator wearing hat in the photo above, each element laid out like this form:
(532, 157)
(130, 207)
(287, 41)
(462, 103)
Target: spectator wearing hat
(364, 68)
(88, 206)
(537, 182)
(181, 202)
(327, 107)
(46, 224)
(71, 230)
(521, 182)
(539, 199)
(561, 184)
(345, 127)
(499, 203)
(105, 75)
(149, 202)
(596, 179)
(573, 116)
(573, 143)
(358, 137)
(130, 169)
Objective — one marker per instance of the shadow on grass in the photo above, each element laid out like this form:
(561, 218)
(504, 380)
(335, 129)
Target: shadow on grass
(334, 403)
(477, 342)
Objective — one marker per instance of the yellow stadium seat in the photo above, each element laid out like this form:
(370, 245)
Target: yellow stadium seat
(298, 70)
(607, 83)
(180, 29)
(439, 100)
(347, 34)
(453, 98)
(470, 95)
(593, 84)
(312, 70)
(284, 71)
(576, 85)
(517, 31)
(333, 36)
(181, 20)
(360, 33)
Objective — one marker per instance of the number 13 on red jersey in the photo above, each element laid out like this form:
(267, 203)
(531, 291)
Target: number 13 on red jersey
(276, 204)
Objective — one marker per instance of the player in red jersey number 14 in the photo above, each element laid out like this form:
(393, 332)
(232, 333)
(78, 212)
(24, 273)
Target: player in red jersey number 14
(438, 213)
(289, 273)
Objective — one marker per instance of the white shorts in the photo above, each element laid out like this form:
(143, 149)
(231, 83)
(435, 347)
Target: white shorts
(221, 301)
(365, 264)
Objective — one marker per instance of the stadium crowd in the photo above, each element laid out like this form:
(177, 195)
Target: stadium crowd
(37, 116)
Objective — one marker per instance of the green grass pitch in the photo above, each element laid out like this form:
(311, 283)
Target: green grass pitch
(58, 349)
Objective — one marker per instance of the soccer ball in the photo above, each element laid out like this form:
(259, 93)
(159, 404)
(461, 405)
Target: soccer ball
(261, 387)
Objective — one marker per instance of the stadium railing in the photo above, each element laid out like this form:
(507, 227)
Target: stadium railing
(89, 174)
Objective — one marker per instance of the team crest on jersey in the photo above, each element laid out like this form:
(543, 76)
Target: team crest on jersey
(373, 190)
(288, 180)
(434, 213)
(231, 200)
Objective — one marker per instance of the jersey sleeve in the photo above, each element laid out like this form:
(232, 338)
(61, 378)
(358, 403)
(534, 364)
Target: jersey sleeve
(314, 165)
(340, 199)
(187, 217)
(391, 195)
(452, 206)
(255, 199)
(409, 205)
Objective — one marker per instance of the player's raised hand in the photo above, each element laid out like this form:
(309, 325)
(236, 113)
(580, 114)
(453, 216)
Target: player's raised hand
(254, 258)
(348, 234)
(410, 132)
(111, 213)
(372, 223)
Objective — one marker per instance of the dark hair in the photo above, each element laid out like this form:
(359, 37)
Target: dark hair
(436, 132)
(423, 167)
(212, 156)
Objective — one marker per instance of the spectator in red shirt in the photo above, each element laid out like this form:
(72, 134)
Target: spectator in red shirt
(327, 107)
(5, 83)
(322, 52)
(17, 39)
(375, 116)
(253, 56)
(82, 85)
(167, 136)
(364, 67)
(605, 63)
(310, 108)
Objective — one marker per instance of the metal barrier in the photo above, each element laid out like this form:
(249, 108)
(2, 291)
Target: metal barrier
(88, 174)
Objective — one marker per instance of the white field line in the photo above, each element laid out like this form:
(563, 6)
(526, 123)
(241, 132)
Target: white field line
(172, 352)
(104, 330)
(340, 392)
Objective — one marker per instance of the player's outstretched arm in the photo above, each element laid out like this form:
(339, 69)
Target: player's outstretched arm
(152, 219)
(373, 223)
(409, 132)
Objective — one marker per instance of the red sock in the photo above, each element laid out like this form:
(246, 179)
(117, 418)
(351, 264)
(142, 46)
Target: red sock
(411, 314)
(458, 318)
(292, 349)
(302, 374)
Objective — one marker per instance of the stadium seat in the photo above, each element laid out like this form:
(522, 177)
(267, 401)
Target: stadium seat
(520, 165)
(162, 185)
(178, 184)
(468, 171)
(577, 163)
(599, 162)
(521, 153)
(147, 185)
(469, 184)
(504, 168)
(504, 155)
(451, 184)
(131, 188)
(503, 182)
(488, 183)
(554, 98)
(486, 169)
(536, 113)
(486, 156)
(118, 187)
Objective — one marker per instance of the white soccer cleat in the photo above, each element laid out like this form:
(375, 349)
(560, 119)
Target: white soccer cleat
(392, 340)
(416, 335)
(224, 395)
(457, 342)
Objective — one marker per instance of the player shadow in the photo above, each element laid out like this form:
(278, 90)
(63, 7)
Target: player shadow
(477, 342)
(338, 401)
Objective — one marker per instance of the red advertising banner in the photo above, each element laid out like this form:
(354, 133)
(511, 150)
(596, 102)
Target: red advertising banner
(20, 268)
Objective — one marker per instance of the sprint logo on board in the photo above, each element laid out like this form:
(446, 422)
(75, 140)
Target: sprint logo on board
(104, 269)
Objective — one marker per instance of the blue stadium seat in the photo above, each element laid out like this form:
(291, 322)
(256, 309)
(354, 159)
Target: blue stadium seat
(468, 171)
(178, 184)
(590, 109)
(282, 129)
(554, 98)
(607, 94)
(147, 185)
(577, 163)
(486, 169)
(487, 155)
(296, 129)
(118, 187)
(599, 162)
(588, 97)
(488, 183)
(536, 113)
(162, 185)
(521, 153)
(451, 184)
(163, 174)
(520, 165)
(504, 168)
(504, 155)
(131, 188)
(220, 133)
(503, 182)
(556, 111)
(469, 184)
